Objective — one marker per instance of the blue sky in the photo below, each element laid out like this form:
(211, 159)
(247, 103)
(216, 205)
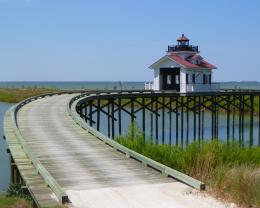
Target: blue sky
(83, 40)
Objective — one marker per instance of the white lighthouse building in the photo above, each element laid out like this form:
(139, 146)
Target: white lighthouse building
(182, 69)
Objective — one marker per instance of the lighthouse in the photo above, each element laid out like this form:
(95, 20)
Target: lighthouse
(182, 69)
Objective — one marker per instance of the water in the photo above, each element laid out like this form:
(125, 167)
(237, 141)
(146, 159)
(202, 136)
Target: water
(240, 85)
(113, 85)
(188, 133)
(4, 158)
(120, 85)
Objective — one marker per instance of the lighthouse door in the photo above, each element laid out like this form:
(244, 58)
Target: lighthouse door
(170, 78)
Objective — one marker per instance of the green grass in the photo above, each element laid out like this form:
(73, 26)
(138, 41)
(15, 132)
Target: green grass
(15, 95)
(231, 171)
(19, 197)
(11, 202)
(16, 197)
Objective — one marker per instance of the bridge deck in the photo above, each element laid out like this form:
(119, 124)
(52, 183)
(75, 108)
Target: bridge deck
(75, 158)
(92, 173)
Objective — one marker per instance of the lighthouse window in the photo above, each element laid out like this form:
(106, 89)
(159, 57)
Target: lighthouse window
(189, 79)
(206, 79)
(169, 79)
(193, 78)
(177, 79)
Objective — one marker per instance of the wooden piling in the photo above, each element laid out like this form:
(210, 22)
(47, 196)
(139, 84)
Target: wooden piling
(170, 122)
(119, 117)
(98, 114)
(251, 120)
(181, 121)
(228, 119)
(143, 115)
(163, 119)
(176, 121)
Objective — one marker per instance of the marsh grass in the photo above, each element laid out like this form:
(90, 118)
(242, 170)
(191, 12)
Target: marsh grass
(14, 95)
(232, 172)
(19, 195)
(13, 202)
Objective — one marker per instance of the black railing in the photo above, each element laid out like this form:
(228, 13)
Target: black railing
(175, 118)
(183, 48)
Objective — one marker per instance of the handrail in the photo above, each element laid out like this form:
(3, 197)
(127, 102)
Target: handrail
(154, 93)
(165, 170)
(49, 180)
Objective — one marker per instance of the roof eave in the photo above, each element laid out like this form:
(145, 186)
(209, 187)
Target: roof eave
(161, 59)
(155, 63)
(176, 62)
(200, 68)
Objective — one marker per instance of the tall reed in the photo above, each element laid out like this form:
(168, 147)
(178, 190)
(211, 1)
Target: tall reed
(231, 171)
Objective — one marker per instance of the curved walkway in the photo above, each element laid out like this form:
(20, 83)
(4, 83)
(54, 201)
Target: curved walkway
(92, 173)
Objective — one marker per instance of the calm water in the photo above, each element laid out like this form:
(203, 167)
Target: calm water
(119, 85)
(240, 85)
(4, 158)
(77, 85)
(188, 134)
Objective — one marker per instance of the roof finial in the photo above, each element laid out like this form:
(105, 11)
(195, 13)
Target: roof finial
(183, 38)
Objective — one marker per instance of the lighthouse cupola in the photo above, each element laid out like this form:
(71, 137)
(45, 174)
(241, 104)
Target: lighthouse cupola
(183, 41)
(183, 45)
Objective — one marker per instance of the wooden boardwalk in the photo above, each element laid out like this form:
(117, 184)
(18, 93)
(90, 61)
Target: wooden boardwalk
(76, 159)
(59, 160)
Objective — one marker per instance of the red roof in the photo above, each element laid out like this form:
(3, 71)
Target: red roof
(206, 64)
(188, 64)
(196, 57)
(183, 38)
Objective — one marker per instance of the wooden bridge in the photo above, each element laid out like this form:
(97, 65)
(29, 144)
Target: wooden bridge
(57, 150)
(55, 154)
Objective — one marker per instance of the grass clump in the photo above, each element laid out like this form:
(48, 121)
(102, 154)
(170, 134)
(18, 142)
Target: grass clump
(240, 183)
(232, 172)
(14, 95)
(12, 202)
(16, 197)
(16, 190)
